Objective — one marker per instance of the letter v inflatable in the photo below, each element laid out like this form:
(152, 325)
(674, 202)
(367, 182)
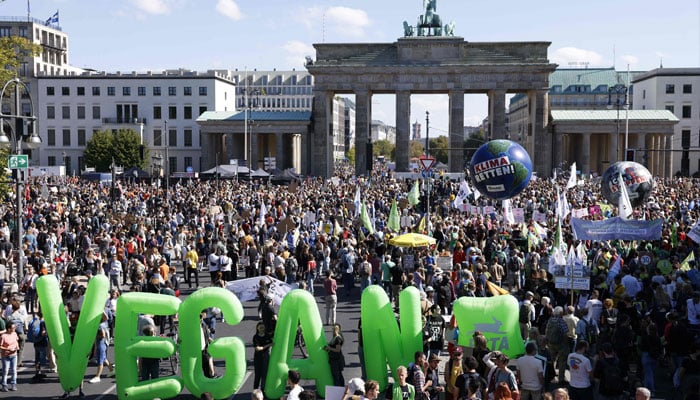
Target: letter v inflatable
(72, 355)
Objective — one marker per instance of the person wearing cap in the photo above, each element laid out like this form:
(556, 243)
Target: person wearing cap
(426, 300)
(432, 377)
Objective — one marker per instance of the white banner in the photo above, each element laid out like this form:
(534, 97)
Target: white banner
(539, 217)
(247, 289)
(519, 215)
(579, 212)
(488, 210)
(694, 233)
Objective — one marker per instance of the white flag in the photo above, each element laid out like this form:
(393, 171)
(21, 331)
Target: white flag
(477, 194)
(572, 177)
(507, 211)
(464, 192)
(357, 201)
(623, 203)
(562, 209)
(263, 211)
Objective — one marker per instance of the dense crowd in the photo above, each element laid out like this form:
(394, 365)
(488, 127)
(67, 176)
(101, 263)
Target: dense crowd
(310, 231)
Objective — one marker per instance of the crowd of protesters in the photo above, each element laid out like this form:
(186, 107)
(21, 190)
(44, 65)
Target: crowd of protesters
(309, 232)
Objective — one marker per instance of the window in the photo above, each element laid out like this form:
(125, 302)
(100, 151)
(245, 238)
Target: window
(202, 109)
(172, 164)
(670, 88)
(67, 163)
(172, 137)
(157, 137)
(172, 112)
(81, 112)
(670, 108)
(5, 31)
(81, 90)
(51, 137)
(685, 138)
(50, 90)
(96, 112)
(95, 90)
(172, 91)
(156, 90)
(687, 111)
(687, 89)
(65, 91)
(188, 90)
(202, 90)
(188, 162)
(111, 90)
(65, 112)
(66, 137)
(142, 90)
(52, 161)
(157, 112)
(126, 113)
(126, 91)
(188, 137)
(81, 137)
(50, 112)
(187, 114)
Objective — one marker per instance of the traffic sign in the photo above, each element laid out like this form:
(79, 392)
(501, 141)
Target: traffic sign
(426, 174)
(18, 161)
(426, 162)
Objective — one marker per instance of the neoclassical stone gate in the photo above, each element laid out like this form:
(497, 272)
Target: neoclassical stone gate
(427, 65)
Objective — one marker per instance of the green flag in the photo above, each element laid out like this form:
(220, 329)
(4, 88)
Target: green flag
(685, 265)
(414, 194)
(674, 236)
(394, 223)
(364, 217)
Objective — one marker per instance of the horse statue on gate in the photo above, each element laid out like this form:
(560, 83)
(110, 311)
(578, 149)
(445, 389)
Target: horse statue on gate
(429, 24)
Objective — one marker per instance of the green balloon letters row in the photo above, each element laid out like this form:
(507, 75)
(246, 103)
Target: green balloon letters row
(384, 342)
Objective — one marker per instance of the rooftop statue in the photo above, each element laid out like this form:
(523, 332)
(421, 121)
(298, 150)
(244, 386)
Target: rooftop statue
(429, 23)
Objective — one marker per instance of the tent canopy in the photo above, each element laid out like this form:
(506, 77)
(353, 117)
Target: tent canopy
(259, 173)
(135, 172)
(412, 240)
(227, 170)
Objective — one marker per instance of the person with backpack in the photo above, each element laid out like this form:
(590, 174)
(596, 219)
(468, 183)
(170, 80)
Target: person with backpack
(587, 329)
(608, 371)
(498, 371)
(36, 333)
(453, 370)
(432, 378)
(556, 334)
(580, 373)
(526, 314)
(652, 350)
(471, 378)
(416, 376)
(515, 266)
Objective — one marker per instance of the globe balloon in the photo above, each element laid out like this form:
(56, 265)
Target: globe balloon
(636, 177)
(500, 169)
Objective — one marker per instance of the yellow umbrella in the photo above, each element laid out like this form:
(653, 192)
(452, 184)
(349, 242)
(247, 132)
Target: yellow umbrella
(412, 240)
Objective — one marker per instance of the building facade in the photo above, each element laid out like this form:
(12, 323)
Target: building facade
(161, 107)
(678, 91)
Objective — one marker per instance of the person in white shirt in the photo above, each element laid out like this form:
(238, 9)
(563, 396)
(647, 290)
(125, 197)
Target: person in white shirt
(531, 373)
(594, 306)
(293, 378)
(631, 284)
(580, 373)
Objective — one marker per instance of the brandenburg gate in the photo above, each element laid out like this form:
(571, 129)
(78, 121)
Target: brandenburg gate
(431, 62)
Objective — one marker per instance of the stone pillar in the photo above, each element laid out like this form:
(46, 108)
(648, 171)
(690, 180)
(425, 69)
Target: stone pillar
(229, 138)
(545, 154)
(208, 149)
(641, 148)
(497, 113)
(319, 150)
(668, 154)
(363, 117)
(613, 153)
(585, 153)
(279, 151)
(456, 128)
(254, 156)
(403, 129)
(657, 155)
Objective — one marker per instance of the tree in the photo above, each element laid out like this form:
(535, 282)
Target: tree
(438, 148)
(121, 146)
(473, 142)
(415, 149)
(350, 154)
(13, 51)
(384, 148)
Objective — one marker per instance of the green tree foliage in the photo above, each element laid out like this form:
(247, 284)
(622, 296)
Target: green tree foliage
(122, 145)
(438, 148)
(416, 149)
(384, 148)
(13, 50)
(350, 154)
(473, 142)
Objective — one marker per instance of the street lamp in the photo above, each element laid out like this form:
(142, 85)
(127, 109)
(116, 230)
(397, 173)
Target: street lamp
(247, 105)
(427, 177)
(33, 142)
(167, 163)
(619, 92)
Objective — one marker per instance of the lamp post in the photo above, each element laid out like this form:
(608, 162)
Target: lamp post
(427, 178)
(619, 92)
(33, 142)
(167, 163)
(247, 105)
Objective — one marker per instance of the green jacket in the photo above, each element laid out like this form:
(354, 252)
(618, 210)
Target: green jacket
(397, 393)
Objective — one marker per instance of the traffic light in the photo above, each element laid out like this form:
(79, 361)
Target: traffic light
(629, 154)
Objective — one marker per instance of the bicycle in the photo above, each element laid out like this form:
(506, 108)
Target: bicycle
(299, 342)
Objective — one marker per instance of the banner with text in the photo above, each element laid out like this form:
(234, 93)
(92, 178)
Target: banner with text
(616, 228)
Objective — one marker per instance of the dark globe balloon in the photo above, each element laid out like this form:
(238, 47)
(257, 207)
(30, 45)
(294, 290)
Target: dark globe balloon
(500, 169)
(637, 178)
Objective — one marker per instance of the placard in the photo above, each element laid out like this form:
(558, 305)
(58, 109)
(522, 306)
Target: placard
(444, 263)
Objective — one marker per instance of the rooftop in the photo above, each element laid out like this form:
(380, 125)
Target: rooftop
(255, 116)
(612, 115)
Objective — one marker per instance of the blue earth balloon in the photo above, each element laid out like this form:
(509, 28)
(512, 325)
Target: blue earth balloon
(500, 169)
(638, 181)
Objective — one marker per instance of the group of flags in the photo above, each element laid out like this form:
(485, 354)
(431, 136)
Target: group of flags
(52, 20)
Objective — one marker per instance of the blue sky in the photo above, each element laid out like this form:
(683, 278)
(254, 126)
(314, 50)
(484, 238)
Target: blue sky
(139, 35)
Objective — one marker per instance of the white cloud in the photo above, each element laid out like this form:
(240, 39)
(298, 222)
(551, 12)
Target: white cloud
(157, 7)
(566, 55)
(229, 8)
(344, 21)
(297, 51)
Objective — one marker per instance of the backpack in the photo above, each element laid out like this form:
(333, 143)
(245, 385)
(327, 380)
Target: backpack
(590, 334)
(468, 377)
(34, 331)
(291, 266)
(411, 374)
(524, 314)
(553, 332)
(513, 264)
(611, 383)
